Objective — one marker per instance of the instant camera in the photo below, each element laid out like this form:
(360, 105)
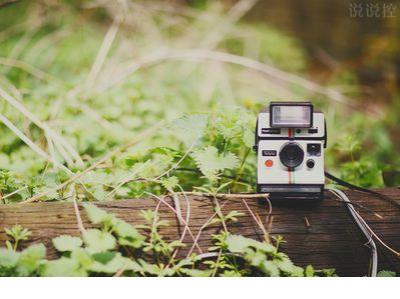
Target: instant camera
(290, 140)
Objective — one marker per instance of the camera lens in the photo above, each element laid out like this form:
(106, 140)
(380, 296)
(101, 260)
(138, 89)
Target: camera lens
(291, 155)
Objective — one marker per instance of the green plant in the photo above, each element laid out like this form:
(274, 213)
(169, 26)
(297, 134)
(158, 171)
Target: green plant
(118, 248)
(16, 233)
(68, 103)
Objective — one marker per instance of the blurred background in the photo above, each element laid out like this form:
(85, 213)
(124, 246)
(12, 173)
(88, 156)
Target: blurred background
(99, 71)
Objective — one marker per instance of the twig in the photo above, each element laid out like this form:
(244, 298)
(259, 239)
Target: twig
(175, 212)
(201, 230)
(200, 54)
(28, 68)
(184, 230)
(21, 108)
(376, 214)
(31, 144)
(307, 223)
(257, 220)
(14, 192)
(235, 13)
(78, 215)
(270, 221)
(102, 54)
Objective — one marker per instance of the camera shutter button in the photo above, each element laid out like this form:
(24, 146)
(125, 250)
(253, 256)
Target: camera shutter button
(310, 163)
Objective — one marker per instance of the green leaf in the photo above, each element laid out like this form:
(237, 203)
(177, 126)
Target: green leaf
(189, 127)
(63, 267)
(385, 273)
(8, 258)
(82, 256)
(98, 241)
(155, 269)
(196, 272)
(287, 266)
(18, 233)
(67, 243)
(30, 259)
(170, 183)
(117, 263)
(237, 243)
(309, 271)
(232, 216)
(270, 268)
(248, 137)
(124, 229)
(209, 161)
(97, 215)
(104, 257)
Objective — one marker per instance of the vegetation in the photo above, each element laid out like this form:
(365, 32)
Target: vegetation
(109, 102)
(146, 253)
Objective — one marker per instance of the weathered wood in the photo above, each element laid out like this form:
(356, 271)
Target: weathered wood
(323, 235)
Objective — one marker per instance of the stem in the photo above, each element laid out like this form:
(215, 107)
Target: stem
(239, 173)
(219, 213)
(16, 244)
(216, 263)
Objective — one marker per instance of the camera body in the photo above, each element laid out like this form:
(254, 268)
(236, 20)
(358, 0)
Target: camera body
(290, 140)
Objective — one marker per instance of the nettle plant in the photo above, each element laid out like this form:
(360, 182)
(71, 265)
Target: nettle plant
(195, 151)
(116, 248)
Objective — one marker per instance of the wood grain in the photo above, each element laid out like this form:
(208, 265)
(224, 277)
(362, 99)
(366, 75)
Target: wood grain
(322, 234)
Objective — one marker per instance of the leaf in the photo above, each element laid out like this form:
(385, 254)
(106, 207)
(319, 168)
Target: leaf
(30, 259)
(104, 257)
(232, 216)
(309, 271)
(287, 266)
(256, 258)
(97, 215)
(248, 138)
(385, 273)
(63, 267)
(189, 127)
(196, 272)
(154, 269)
(98, 241)
(270, 268)
(8, 258)
(98, 192)
(128, 234)
(209, 161)
(170, 183)
(124, 229)
(17, 232)
(116, 263)
(67, 243)
(237, 243)
(82, 256)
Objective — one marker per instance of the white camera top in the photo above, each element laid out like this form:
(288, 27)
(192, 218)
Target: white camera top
(290, 141)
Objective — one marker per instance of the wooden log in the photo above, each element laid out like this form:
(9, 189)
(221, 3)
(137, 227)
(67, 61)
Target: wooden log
(323, 235)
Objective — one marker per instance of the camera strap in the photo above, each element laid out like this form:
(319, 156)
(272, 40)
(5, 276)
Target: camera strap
(360, 189)
(364, 227)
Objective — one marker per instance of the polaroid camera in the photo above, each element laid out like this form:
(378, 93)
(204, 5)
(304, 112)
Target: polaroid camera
(290, 140)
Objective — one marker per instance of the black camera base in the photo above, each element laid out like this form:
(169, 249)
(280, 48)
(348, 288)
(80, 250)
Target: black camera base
(296, 192)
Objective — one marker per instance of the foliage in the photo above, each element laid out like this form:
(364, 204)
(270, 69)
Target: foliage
(385, 273)
(85, 101)
(118, 248)
(209, 108)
